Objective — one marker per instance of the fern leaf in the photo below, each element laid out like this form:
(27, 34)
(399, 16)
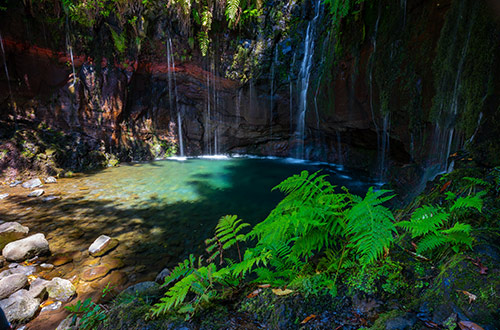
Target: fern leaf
(424, 220)
(431, 242)
(472, 201)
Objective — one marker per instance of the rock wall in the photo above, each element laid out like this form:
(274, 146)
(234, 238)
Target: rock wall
(373, 101)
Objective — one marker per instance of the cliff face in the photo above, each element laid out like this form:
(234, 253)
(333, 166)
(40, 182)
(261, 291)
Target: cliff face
(405, 82)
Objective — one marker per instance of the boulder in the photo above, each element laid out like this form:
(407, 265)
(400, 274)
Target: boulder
(60, 289)
(142, 289)
(11, 284)
(15, 183)
(36, 193)
(33, 183)
(38, 288)
(102, 245)
(26, 248)
(50, 179)
(160, 278)
(20, 307)
(11, 231)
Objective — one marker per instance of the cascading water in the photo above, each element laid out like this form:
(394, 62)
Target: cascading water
(238, 108)
(172, 91)
(271, 92)
(208, 147)
(304, 76)
(69, 47)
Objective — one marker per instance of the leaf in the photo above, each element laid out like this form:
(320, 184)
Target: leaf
(445, 186)
(307, 319)
(467, 325)
(264, 286)
(254, 293)
(280, 292)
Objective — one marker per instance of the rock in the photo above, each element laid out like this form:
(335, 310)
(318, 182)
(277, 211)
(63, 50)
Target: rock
(2, 261)
(160, 278)
(60, 289)
(18, 269)
(142, 289)
(11, 284)
(9, 227)
(93, 273)
(51, 307)
(47, 266)
(11, 231)
(15, 183)
(405, 322)
(61, 259)
(38, 288)
(66, 324)
(26, 248)
(50, 198)
(102, 245)
(3, 196)
(20, 307)
(50, 179)
(36, 193)
(33, 183)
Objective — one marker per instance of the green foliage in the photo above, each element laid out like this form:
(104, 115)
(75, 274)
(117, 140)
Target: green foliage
(89, 313)
(232, 7)
(119, 40)
(370, 226)
(434, 227)
(341, 8)
(227, 234)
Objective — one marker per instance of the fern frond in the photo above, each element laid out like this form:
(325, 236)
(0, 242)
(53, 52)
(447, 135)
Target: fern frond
(424, 220)
(472, 201)
(232, 7)
(370, 226)
(431, 242)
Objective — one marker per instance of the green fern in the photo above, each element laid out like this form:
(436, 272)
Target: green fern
(204, 42)
(227, 234)
(370, 226)
(424, 220)
(232, 7)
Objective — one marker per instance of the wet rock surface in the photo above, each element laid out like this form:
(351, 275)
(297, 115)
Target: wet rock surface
(102, 245)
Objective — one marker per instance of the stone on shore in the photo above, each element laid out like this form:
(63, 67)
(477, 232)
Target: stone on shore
(11, 284)
(61, 289)
(20, 307)
(102, 245)
(33, 183)
(50, 179)
(26, 248)
(36, 193)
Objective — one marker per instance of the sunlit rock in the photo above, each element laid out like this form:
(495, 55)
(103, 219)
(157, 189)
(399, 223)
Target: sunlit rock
(50, 179)
(26, 248)
(33, 183)
(36, 193)
(20, 306)
(102, 245)
(60, 289)
(11, 231)
(11, 284)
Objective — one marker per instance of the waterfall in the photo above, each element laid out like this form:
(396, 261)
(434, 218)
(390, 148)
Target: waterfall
(173, 96)
(384, 146)
(271, 92)
(69, 47)
(207, 119)
(404, 4)
(339, 148)
(238, 109)
(304, 76)
(5, 67)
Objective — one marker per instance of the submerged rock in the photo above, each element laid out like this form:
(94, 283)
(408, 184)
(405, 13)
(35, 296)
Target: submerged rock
(33, 183)
(36, 193)
(11, 284)
(20, 306)
(26, 248)
(50, 179)
(11, 231)
(93, 273)
(102, 245)
(144, 290)
(61, 289)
